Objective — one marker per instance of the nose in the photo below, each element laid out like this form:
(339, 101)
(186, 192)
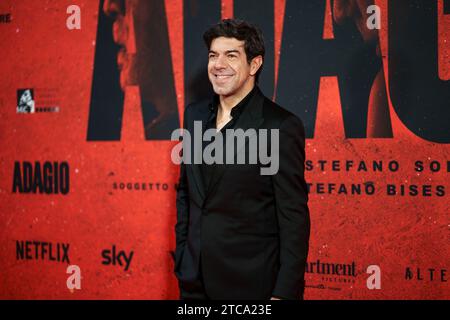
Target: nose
(112, 8)
(220, 62)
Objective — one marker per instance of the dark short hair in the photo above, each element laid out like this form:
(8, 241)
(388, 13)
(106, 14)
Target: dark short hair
(242, 31)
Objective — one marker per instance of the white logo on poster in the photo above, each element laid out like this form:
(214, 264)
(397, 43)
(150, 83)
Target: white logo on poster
(374, 280)
(74, 20)
(374, 21)
(25, 102)
(74, 280)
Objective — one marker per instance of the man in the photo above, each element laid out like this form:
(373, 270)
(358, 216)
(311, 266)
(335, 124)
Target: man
(140, 28)
(378, 118)
(241, 234)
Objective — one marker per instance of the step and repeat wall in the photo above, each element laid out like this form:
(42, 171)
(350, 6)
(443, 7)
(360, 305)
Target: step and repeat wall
(90, 92)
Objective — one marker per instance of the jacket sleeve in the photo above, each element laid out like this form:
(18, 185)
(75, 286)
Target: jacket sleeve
(291, 198)
(182, 204)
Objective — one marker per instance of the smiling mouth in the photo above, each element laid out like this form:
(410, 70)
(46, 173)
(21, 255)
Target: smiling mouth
(223, 76)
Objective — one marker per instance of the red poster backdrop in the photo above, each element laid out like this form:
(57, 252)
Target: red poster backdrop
(114, 217)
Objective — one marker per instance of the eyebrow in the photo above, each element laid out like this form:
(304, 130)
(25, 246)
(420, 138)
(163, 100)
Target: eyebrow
(228, 51)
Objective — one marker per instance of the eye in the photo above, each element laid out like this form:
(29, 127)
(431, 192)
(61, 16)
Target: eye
(211, 56)
(232, 56)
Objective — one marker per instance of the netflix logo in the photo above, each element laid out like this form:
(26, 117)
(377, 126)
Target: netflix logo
(41, 250)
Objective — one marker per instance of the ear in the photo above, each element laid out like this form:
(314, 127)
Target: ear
(255, 64)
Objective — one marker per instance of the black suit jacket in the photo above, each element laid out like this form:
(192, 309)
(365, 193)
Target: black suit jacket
(251, 230)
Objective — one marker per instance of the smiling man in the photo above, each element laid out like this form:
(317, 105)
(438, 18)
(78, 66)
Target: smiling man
(241, 234)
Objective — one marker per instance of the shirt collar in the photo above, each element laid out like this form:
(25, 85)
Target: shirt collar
(236, 110)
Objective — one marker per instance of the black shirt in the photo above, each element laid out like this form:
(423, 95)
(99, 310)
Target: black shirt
(207, 170)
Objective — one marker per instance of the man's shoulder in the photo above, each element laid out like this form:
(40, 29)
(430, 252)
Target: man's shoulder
(277, 116)
(198, 106)
(195, 111)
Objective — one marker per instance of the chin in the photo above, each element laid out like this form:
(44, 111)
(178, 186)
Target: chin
(128, 74)
(221, 91)
(123, 81)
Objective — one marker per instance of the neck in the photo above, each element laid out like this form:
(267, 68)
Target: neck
(229, 102)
